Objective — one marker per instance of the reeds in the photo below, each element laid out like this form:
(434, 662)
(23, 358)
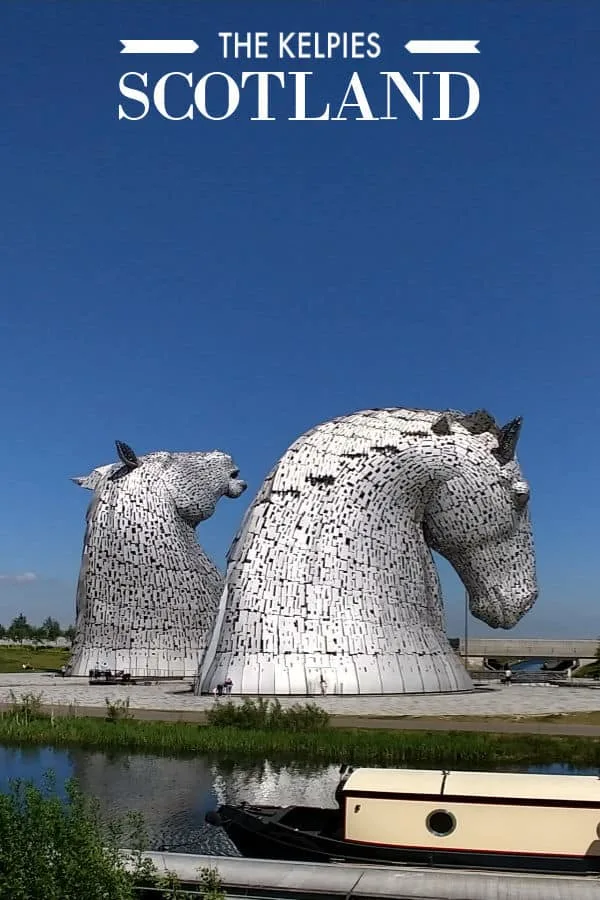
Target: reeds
(323, 745)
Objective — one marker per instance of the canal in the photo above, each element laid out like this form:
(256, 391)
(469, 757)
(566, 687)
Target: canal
(173, 794)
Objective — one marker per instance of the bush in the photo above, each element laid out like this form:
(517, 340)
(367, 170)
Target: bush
(306, 718)
(54, 849)
(211, 885)
(117, 710)
(268, 715)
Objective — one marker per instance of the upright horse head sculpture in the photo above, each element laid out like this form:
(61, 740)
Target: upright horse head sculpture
(331, 580)
(147, 592)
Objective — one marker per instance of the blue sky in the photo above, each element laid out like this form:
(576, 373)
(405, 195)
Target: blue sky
(197, 284)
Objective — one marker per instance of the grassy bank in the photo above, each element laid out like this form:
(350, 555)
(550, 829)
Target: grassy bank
(325, 745)
(592, 670)
(41, 659)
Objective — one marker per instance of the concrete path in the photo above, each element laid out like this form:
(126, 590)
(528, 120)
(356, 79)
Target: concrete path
(175, 701)
(345, 880)
(488, 725)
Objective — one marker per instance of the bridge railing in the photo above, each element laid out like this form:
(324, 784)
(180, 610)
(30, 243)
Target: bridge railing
(519, 677)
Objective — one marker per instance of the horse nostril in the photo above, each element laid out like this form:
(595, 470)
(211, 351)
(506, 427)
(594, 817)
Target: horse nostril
(521, 499)
(520, 494)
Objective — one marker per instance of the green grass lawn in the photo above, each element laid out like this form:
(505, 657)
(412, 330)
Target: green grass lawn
(40, 659)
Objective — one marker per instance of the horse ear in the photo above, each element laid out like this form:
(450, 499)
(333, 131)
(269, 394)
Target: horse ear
(441, 426)
(507, 440)
(479, 422)
(127, 455)
(89, 482)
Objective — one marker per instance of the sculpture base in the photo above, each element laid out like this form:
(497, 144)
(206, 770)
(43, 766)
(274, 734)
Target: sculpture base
(301, 674)
(138, 663)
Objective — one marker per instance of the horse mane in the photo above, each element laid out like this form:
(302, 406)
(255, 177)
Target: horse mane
(406, 422)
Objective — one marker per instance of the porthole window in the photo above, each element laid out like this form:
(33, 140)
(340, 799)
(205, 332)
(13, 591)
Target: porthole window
(440, 822)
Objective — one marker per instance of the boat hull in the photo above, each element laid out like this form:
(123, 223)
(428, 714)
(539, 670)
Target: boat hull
(258, 833)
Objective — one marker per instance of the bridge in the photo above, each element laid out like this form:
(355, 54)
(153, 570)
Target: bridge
(532, 648)
(478, 650)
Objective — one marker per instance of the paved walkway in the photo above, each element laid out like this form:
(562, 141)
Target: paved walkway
(348, 880)
(176, 700)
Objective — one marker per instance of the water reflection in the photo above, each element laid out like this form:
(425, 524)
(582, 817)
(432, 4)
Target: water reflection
(31, 763)
(173, 794)
(274, 784)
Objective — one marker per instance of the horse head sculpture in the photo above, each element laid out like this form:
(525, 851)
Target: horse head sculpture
(492, 552)
(331, 578)
(147, 592)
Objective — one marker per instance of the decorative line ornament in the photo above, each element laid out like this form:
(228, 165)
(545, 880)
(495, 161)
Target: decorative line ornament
(442, 47)
(159, 46)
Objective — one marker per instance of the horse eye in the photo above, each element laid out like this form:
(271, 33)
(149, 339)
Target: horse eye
(235, 473)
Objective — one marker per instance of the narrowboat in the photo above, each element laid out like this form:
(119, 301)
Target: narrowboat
(479, 820)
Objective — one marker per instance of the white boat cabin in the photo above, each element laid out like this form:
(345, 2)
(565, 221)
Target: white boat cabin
(485, 812)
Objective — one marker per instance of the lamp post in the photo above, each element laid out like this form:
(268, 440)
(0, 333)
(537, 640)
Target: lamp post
(467, 630)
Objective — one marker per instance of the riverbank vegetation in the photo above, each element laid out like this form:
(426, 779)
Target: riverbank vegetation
(25, 724)
(268, 715)
(59, 848)
(592, 670)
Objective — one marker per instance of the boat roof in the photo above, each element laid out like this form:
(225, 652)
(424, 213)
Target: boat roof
(503, 785)
(395, 781)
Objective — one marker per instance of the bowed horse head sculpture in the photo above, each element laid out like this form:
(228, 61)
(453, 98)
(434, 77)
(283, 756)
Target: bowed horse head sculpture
(477, 518)
(331, 573)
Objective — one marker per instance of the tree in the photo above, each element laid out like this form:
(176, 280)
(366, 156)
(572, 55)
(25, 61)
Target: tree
(2, 631)
(69, 633)
(51, 629)
(19, 629)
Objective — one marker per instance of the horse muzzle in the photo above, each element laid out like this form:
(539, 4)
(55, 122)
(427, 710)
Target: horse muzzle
(235, 488)
(500, 608)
